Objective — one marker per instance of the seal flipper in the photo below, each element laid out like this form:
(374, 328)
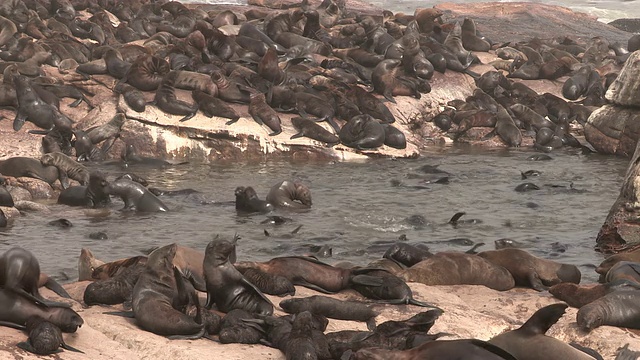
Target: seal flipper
(494, 349)
(27, 347)
(543, 319)
(589, 351)
(256, 290)
(70, 348)
(54, 286)
(195, 336)
(311, 286)
(76, 103)
(12, 325)
(454, 219)
(367, 280)
(295, 136)
(535, 282)
(127, 314)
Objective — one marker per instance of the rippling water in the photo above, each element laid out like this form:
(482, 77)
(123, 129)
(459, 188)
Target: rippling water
(356, 209)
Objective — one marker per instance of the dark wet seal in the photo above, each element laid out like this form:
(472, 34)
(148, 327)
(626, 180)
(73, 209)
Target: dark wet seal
(578, 295)
(392, 290)
(114, 290)
(45, 338)
(508, 243)
(624, 353)
(61, 223)
(539, 157)
(98, 235)
(331, 308)
(441, 349)
(619, 308)
(406, 254)
(524, 187)
(300, 344)
(529, 173)
(269, 283)
(237, 327)
(609, 262)
(530, 338)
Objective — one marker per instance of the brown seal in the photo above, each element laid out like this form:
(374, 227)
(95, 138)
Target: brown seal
(331, 308)
(226, 287)
(166, 100)
(116, 289)
(33, 109)
(135, 196)
(132, 96)
(310, 129)
(147, 72)
(363, 132)
(262, 113)
(530, 338)
(507, 129)
(602, 269)
(87, 263)
(155, 294)
(471, 349)
(285, 193)
(15, 309)
(228, 90)
(20, 273)
(45, 338)
(212, 106)
(29, 167)
(532, 271)
(108, 131)
(388, 80)
(580, 295)
(449, 268)
(624, 270)
(67, 168)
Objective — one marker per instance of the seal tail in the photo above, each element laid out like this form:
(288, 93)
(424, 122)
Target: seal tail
(56, 288)
(543, 319)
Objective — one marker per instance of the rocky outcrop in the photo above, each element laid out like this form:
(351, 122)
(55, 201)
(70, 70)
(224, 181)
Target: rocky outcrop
(615, 127)
(469, 312)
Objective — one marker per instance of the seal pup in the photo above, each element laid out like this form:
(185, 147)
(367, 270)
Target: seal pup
(262, 113)
(531, 271)
(20, 273)
(15, 309)
(167, 101)
(362, 132)
(116, 289)
(86, 264)
(155, 294)
(300, 344)
(67, 168)
(93, 195)
(406, 254)
(227, 288)
(135, 196)
(44, 338)
(247, 201)
(285, 193)
(529, 341)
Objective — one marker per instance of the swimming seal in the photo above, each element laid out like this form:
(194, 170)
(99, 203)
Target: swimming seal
(226, 287)
(285, 193)
(16, 309)
(155, 294)
(93, 195)
(524, 342)
(135, 196)
(449, 268)
(531, 271)
(45, 338)
(67, 168)
(247, 201)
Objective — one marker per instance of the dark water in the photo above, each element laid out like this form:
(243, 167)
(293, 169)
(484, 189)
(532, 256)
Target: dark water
(356, 210)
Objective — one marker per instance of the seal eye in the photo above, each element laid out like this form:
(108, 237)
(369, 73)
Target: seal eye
(93, 269)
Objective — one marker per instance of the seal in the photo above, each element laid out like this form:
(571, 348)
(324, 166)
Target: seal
(580, 295)
(362, 132)
(93, 195)
(300, 344)
(135, 196)
(393, 289)
(624, 270)
(5, 196)
(262, 113)
(269, 283)
(285, 193)
(109, 131)
(523, 342)
(85, 149)
(111, 269)
(331, 308)
(33, 109)
(606, 264)
(310, 129)
(212, 106)
(116, 289)
(247, 201)
(20, 273)
(229, 90)
(577, 85)
(226, 287)
(146, 72)
(450, 268)
(17, 308)
(86, 264)
(167, 101)
(406, 254)
(532, 271)
(389, 83)
(45, 338)
(618, 308)
(130, 156)
(238, 326)
(471, 349)
(393, 137)
(369, 104)
(132, 96)
(67, 168)
(530, 117)
(155, 294)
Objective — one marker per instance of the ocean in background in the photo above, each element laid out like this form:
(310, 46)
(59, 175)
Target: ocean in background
(605, 11)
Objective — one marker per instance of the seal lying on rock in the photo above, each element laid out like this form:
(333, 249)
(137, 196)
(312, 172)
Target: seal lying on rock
(331, 308)
(449, 268)
(284, 194)
(531, 271)
(619, 308)
(529, 341)
(467, 349)
(15, 309)
(67, 168)
(29, 167)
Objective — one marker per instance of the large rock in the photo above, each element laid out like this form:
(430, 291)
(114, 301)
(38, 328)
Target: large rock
(625, 90)
(469, 312)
